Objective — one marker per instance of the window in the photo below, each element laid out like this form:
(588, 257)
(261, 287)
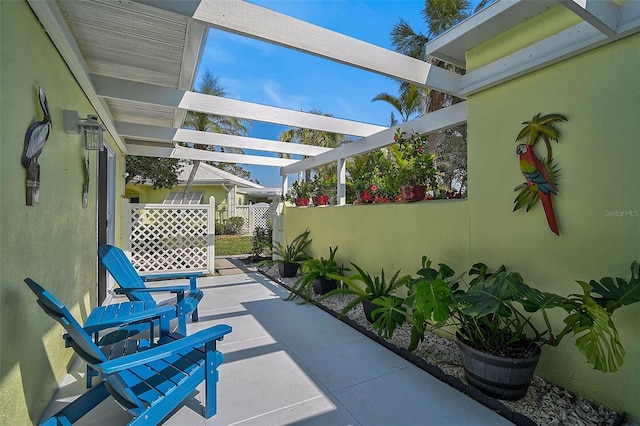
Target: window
(176, 198)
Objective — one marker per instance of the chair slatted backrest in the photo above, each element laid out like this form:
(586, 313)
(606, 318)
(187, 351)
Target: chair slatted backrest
(81, 341)
(121, 269)
(83, 345)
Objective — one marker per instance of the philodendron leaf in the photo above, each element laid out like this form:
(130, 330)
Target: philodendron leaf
(389, 315)
(616, 292)
(600, 342)
(490, 296)
(432, 299)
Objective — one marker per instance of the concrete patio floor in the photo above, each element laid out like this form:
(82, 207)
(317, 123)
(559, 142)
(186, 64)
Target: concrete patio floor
(291, 364)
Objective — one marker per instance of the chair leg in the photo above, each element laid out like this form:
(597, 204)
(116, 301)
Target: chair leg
(91, 373)
(213, 360)
(182, 324)
(194, 315)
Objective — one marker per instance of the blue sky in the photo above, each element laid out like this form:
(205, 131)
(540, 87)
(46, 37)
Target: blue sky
(255, 71)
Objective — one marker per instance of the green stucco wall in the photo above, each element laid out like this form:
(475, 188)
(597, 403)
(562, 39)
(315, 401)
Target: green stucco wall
(598, 206)
(54, 242)
(389, 236)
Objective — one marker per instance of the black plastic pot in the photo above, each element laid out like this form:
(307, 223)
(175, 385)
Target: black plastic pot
(368, 306)
(499, 377)
(288, 270)
(324, 285)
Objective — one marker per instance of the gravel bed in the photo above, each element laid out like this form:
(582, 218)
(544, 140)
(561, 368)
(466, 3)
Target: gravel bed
(545, 403)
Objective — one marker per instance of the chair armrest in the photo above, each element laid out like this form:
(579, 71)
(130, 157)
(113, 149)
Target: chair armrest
(159, 352)
(176, 275)
(171, 275)
(171, 289)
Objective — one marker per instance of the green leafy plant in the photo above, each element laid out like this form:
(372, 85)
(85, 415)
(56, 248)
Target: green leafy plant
(314, 269)
(290, 253)
(415, 166)
(324, 184)
(261, 241)
(363, 286)
(300, 189)
(492, 312)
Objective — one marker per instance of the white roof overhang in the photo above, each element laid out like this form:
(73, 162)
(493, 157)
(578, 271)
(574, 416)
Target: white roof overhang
(136, 62)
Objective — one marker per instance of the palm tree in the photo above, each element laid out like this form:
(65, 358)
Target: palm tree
(408, 103)
(439, 15)
(211, 123)
(312, 137)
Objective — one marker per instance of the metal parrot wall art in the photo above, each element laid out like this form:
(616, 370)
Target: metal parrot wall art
(34, 141)
(541, 175)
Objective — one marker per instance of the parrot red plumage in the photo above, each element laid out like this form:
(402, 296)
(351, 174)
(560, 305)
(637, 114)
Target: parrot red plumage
(537, 175)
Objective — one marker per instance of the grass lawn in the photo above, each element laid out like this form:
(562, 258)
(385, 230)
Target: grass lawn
(233, 244)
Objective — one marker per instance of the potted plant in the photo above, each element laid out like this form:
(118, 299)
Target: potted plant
(290, 256)
(324, 185)
(415, 165)
(300, 192)
(499, 341)
(366, 289)
(321, 275)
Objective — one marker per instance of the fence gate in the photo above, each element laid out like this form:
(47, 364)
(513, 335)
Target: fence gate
(255, 216)
(170, 237)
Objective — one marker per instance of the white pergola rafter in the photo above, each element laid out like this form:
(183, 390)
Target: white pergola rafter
(199, 154)
(257, 22)
(157, 95)
(435, 121)
(168, 134)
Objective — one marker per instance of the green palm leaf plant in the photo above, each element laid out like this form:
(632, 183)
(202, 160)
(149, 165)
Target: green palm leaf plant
(315, 269)
(539, 128)
(363, 287)
(293, 252)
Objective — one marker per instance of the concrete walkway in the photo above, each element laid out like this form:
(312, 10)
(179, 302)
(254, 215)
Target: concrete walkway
(295, 364)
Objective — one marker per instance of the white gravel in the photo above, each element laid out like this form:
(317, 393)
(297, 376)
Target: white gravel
(545, 404)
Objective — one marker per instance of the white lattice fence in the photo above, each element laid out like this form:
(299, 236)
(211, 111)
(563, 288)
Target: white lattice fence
(171, 237)
(255, 216)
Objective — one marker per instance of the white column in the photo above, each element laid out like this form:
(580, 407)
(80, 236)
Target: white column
(342, 179)
(285, 185)
(211, 237)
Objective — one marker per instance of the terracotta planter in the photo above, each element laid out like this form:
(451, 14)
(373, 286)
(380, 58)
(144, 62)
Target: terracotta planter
(499, 377)
(324, 285)
(301, 202)
(288, 270)
(320, 200)
(413, 192)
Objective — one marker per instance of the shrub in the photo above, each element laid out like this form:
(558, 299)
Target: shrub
(234, 225)
(261, 241)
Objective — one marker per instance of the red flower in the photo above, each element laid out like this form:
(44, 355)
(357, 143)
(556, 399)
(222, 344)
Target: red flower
(366, 196)
(374, 188)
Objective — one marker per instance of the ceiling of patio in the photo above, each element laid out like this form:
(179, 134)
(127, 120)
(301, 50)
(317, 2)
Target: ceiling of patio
(136, 61)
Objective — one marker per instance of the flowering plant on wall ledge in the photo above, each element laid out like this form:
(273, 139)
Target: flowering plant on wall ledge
(541, 174)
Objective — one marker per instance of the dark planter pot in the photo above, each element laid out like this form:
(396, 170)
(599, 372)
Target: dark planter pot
(288, 270)
(499, 377)
(320, 200)
(302, 202)
(368, 306)
(413, 192)
(324, 285)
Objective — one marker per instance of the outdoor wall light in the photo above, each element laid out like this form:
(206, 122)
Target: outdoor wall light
(90, 127)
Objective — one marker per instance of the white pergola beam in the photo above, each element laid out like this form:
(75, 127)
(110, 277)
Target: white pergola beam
(601, 14)
(257, 22)
(432, 122)
(166, 134)
(157, 95)
(199, 154)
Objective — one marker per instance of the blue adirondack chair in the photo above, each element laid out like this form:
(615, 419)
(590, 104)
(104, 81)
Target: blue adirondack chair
(149, 384)
(133, 286)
